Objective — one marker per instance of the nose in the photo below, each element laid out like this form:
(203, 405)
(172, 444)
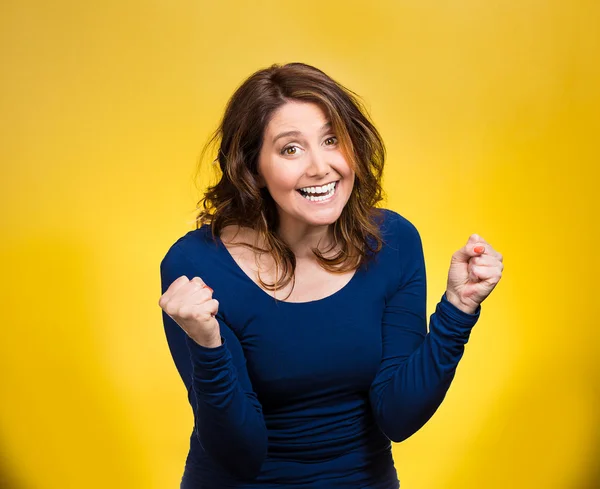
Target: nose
(318, 167)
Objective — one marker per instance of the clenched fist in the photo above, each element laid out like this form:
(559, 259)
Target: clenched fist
(190, 304)
(475, 269)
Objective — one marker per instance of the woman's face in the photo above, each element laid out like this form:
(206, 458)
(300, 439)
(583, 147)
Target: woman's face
(305, 172)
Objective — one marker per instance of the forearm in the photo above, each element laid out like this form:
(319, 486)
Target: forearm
(229, 421)
(407, 394)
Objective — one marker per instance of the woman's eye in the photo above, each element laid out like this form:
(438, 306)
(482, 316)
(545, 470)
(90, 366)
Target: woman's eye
(283, 151)
(332, 137)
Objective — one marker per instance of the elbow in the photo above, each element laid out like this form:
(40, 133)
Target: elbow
(397, 434)
(241, 459)
(253, 451)
(394, 428)
(403, 425)
(248, 467)
(249, 472)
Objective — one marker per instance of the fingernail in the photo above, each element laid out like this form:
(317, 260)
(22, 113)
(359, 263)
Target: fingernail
(208, 287)
(479, 249)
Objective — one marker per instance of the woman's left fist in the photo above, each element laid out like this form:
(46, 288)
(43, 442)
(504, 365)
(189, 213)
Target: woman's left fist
(475, 270)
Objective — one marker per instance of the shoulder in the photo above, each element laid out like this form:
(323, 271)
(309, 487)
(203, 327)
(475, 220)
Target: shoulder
(396, 229)
(197, 247)
(404, 242)
(401, 255)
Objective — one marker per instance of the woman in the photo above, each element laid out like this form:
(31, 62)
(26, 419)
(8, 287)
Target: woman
(295, 312)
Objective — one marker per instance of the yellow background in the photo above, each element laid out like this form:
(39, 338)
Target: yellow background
(489, 111)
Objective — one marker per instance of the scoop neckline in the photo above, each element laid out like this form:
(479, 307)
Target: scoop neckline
(331, 296)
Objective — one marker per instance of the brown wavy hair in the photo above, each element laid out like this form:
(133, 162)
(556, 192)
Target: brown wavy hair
(238, 199)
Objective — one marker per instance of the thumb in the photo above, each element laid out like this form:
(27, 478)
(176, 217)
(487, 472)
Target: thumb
(474, 247)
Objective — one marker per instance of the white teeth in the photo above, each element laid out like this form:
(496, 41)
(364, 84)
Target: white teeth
(319, 190)
(330, 189)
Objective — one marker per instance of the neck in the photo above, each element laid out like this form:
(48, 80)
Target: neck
(302, 238)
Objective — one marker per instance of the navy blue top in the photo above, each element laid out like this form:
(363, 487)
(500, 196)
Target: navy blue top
(310, 394)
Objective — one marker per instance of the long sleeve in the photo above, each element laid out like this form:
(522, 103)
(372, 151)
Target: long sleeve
(417, 367)
(228, 416)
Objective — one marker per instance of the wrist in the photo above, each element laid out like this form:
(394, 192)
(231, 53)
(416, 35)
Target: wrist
(468, 308)
(213, 341)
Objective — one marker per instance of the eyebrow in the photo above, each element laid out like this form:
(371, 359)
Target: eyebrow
(327, 125)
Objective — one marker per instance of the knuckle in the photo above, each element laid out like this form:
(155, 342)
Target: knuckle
(171, 310)
(186, 311)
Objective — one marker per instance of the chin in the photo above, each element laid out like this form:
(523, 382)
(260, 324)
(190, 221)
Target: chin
(328, 222)
(320, 219)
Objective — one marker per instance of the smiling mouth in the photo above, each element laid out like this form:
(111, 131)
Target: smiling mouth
(319, 196)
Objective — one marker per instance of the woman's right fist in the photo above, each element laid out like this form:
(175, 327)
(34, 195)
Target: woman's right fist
(190, 304)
